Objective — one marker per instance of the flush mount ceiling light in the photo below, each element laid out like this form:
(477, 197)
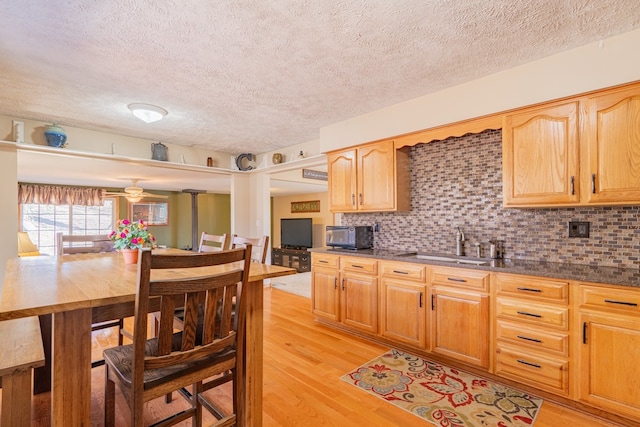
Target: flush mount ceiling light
(147, 113)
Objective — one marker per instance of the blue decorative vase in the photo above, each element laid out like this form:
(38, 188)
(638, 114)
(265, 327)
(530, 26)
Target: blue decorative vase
(55, 136)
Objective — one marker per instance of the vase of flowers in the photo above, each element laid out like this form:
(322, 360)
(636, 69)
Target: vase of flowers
(129, 237)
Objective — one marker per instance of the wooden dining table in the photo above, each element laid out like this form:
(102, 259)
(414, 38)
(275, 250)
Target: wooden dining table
(82, 289)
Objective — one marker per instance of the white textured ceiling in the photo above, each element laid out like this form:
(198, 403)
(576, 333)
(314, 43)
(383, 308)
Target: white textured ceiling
(258, 75)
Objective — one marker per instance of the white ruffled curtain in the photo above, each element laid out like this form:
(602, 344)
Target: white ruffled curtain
(58, 195)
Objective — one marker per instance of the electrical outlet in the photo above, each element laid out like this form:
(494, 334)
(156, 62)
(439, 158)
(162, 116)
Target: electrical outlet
(376, 227)
(579, 229)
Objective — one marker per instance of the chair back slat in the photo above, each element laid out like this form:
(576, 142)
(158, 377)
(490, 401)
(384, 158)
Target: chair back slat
(260, 245)
(190, 321)
(227, 309)
(206, 284)
(213, 302)
(165, 330)
(214, 242)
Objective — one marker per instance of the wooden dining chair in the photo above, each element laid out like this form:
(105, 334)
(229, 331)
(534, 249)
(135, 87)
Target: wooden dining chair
(150, 368)
(214, 242)
(260, 246)
(91, 243)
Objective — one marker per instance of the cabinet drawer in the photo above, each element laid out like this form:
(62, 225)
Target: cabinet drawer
(404, 271)
(533, 339)
(608, 299)
(325, 260)
(550, 373)
(535, 314)
(360, 265)
(459, 277)
(532, 288)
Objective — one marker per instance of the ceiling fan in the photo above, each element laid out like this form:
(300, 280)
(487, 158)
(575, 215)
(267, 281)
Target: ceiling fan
(134, 193)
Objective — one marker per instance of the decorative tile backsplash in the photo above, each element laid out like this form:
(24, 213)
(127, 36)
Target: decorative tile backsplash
(457, 182)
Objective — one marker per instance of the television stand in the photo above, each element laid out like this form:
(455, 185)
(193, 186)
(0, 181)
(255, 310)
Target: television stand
(300, 259)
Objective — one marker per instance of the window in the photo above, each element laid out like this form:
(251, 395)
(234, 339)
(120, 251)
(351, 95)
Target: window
(42, 222)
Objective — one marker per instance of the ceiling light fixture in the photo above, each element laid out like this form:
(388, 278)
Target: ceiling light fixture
(147, 113)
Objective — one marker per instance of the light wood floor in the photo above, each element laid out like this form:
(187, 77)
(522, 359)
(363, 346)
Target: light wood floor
(303, 363)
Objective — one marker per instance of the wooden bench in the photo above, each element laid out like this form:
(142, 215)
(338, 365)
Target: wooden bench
(21, 351)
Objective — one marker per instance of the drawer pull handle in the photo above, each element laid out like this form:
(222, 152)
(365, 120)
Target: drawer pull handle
(584, 332)
(323, 261)
(529, 290)
(630, 304)
(453, 279)
(356, 266)
(524, 313)
(420, 300)
(433, 302)
(529, 363)
(400, 272)
(335, 283)
(343, 283)
(522, 337)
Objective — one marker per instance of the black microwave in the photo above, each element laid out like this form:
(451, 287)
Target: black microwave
(350, 237)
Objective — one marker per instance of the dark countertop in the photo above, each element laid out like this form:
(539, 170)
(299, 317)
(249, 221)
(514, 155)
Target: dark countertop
(577, 272)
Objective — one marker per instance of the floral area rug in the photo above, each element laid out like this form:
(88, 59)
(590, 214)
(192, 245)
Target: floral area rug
(443, 396)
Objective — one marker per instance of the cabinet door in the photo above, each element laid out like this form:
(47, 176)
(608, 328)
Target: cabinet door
(460, 325)
(403, 313)
(540, 157)
(359, 302)
(609, 371)
(325, 294)
(613, 135)
(376, 177)
(341, 169)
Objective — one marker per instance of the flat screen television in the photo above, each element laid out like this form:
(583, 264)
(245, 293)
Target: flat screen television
(296, 233)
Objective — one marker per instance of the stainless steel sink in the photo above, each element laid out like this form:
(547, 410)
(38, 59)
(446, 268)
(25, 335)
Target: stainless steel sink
(452, 260)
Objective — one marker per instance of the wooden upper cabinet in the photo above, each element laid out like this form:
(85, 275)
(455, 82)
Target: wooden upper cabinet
(540, 156)
(612, 170)
(370, 178)
(577, 152)
(342, 181)
(376, 177)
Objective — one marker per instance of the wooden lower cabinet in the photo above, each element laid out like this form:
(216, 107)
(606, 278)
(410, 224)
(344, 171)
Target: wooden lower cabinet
(403, 312)
(359, 301)
(325, 291)
(460, 325)
(325, 294)
(609, 350)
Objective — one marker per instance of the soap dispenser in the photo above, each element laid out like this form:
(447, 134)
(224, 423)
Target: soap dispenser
(459, 243)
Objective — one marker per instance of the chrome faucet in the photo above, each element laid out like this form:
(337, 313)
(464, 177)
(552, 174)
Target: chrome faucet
(459, 243)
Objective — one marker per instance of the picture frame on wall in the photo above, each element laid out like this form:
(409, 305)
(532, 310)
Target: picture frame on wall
(154, 213)
(307, 206)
